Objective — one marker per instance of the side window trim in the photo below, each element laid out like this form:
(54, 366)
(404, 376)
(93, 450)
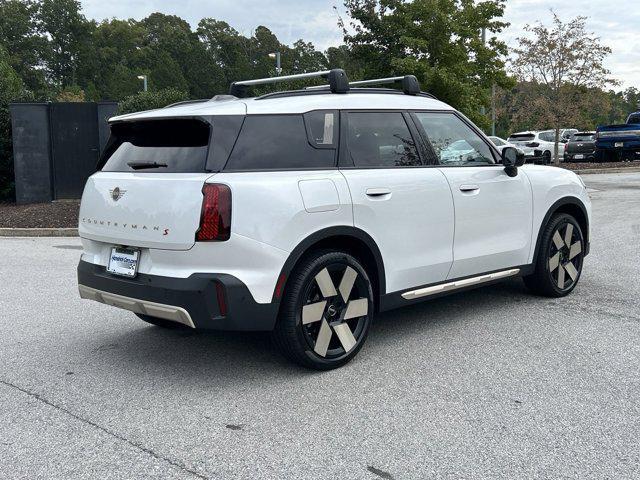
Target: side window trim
(494, 152)
(344, 158)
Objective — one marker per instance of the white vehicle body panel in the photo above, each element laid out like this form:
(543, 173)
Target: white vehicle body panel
(268, 206)
(410, 217)
(549, 185)
(154, 210)
(492, 221)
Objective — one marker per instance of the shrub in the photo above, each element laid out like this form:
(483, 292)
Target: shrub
(151, 100)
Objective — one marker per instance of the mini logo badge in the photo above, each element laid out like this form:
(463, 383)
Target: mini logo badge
(117, 194)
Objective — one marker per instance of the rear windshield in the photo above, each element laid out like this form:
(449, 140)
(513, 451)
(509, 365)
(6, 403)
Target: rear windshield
(522, 137)
(634, 118)
(175, 145)
(584, 137)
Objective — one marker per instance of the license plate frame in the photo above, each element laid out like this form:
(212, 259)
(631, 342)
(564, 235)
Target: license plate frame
(124, 261)
(578, 156)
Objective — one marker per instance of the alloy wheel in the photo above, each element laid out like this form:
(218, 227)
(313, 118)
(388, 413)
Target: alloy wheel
(334, 318)
(565, 256)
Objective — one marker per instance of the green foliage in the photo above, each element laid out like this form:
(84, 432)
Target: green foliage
(25, 42)
(151, 100)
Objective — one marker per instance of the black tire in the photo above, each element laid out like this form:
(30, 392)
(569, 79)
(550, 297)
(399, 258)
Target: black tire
(315, 334)
(546, 158)
(559, 263)
(161, 322)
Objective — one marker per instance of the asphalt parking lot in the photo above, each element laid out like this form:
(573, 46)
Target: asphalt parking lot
(494, 383)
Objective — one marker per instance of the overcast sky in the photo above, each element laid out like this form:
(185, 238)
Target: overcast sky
(615, 21)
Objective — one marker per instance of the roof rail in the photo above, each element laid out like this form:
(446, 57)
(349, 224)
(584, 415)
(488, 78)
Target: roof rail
(338, 81)
(410, 84)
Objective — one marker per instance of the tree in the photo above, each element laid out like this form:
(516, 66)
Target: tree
(565, 59)
(117, 61)
(11, 89)
(439, 41)
(69, 44)
(24, 42)
(229, 51)
(175, 57)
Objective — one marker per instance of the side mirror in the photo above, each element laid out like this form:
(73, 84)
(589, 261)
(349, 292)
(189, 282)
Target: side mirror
(512, 159)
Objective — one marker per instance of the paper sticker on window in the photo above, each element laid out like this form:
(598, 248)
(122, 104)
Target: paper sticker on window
(327, 138)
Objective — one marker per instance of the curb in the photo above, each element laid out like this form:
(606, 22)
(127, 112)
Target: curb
(589, 171)
(38, 232)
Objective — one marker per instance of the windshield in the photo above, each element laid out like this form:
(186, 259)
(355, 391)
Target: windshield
(158, 146)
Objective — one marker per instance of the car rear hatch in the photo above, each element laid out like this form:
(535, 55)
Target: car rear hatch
(149, 190)
(581, 145)
(522, 139)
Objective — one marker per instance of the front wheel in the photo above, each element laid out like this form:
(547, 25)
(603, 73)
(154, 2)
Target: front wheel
(559, 263)
(326, 311)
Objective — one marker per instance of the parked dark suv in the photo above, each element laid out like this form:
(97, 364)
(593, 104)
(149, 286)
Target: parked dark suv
(581, 147)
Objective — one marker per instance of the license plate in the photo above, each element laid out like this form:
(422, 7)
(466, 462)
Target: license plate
(618, 144)
(123, 261)
(578, 156)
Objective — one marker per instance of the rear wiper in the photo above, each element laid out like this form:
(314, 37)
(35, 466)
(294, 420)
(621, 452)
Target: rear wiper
(142, 165)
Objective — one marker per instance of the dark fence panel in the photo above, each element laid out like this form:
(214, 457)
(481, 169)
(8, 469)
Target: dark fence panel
(56, 147)
(31, 152)
(74, 146)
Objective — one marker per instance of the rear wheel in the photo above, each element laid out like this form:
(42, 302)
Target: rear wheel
(559, 263)
(161, 322)
(546, 158)
(326, 311)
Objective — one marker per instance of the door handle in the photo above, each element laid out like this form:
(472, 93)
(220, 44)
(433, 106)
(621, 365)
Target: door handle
(377, 192)
(469, 188)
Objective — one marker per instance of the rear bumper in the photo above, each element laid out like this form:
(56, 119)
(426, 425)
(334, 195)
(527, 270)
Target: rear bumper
(585, 155)
(627, 145)
(207, 301)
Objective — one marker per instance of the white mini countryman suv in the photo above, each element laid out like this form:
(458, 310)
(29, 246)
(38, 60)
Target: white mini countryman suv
(307, 212)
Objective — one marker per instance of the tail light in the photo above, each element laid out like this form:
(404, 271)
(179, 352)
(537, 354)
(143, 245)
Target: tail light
(215, 218)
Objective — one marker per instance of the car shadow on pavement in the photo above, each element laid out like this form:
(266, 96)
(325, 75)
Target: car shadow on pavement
(196, 355)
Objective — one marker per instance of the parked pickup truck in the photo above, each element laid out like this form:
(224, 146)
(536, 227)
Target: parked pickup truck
(619, 142)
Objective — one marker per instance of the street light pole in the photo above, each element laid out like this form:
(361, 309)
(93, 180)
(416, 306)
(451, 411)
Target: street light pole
(144, 79)
(276, 55)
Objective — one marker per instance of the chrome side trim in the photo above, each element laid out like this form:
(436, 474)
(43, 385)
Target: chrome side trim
(467, 282)
(158, 310)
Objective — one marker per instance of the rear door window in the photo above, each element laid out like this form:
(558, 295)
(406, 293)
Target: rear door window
(379, 139)
(454, 143)
(282, 142)
(547, 136)
(157, 146)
